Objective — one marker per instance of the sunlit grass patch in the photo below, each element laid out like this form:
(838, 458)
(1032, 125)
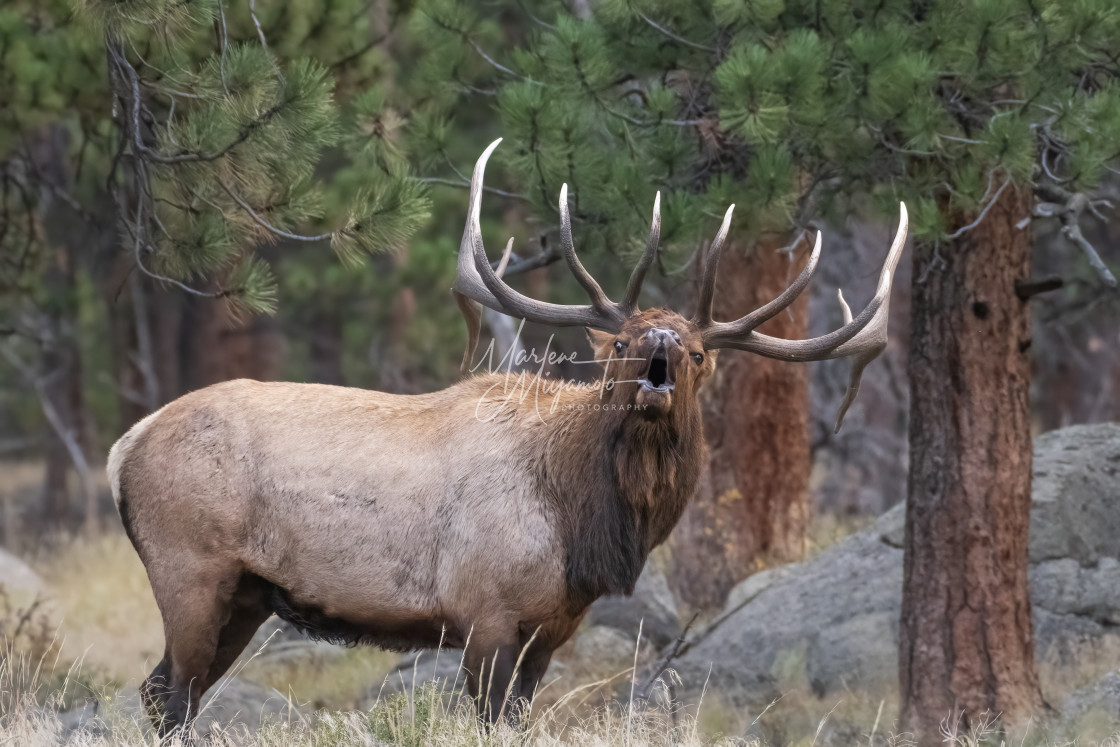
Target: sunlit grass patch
(104, 606)
(320, 676)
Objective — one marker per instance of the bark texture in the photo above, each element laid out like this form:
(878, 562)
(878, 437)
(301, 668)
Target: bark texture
(966, 639)
(220, 346)
(61, 374)
(326, 345)
(753, 506)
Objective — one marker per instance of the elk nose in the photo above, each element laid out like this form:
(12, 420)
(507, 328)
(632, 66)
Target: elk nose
(663, 336)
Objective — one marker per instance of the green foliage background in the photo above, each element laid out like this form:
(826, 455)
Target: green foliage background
(350, 118)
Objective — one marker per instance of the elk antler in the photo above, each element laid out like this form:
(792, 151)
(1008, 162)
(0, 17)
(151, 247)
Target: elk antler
(861, 338)
(476, 281)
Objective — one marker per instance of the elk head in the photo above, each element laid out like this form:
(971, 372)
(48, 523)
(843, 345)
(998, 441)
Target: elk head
(657, 357)
(660, 354)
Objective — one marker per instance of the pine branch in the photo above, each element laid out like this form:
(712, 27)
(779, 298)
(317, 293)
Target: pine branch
(138, 244)
(467, 185)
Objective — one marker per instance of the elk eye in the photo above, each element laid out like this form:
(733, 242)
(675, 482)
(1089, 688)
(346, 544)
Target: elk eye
(698, 357)
(619, 346)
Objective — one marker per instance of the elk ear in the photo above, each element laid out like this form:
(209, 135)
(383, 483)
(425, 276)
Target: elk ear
(711, 357)
(600, 342)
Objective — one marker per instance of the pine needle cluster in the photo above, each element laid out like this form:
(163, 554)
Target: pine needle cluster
(793, 110)
(217, 127)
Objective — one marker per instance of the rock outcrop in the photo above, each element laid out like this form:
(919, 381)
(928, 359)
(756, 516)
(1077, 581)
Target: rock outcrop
(831, 623)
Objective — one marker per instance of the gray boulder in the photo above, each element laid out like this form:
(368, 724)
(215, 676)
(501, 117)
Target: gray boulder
(604, 650)
(1075, 541)
(16, 577)
(232, 707)
(652, 605)
(823, 625)
(831, 623)
(444, 667)
(1092, 713)
(1076, 494)
(1103, 695)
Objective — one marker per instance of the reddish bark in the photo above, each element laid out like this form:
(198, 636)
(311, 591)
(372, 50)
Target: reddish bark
(966, 644)
(753, 506)
(221, 346)
(325, 332)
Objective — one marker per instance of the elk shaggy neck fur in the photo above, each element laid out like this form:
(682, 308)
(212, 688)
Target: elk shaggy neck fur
(619, 484)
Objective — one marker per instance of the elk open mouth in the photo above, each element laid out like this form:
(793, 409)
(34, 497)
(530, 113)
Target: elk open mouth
(658, 378)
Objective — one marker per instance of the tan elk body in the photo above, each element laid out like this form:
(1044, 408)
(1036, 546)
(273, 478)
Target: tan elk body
(488, 515)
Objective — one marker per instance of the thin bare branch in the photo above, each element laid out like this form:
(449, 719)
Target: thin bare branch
(257, 23)
(1069, 207)
(1025, 288)
(467, 185)
(1071, 229)
(265, 224)
(494, 63)
(983, 213)
(675, 37)
(60, 428)
(678, 647)
(223, 43)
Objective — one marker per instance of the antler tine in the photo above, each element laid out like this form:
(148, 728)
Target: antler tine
(476, 280)
(754, 319)
(472, 312)
(503, 263)
(703, 314)
(598, 298)
(516, 304)
(861, 338)
(634, 287)
(468, 283)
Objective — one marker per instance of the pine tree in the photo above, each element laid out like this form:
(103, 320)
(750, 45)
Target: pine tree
(981, 116)
(184, 139)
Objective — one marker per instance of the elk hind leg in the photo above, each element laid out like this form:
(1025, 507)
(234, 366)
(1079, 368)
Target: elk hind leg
(249, 608)
(196, 607)
(155, 690)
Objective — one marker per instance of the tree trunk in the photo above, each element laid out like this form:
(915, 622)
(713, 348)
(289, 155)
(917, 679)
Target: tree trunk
(220, 346)
(61, 389)
(753, 506)
(966, 639)
(326, 345)
(393, 372)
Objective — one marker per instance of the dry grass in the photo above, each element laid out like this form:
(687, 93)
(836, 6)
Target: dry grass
(431, 716)
(338, 679)
(427, 716)
(104, 618)
(104, 606)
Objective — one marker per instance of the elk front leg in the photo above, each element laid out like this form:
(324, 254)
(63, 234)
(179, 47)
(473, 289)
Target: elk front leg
(491, 663)
(533, 666)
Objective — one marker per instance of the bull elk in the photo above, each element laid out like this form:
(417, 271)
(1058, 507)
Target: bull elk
(411, 521)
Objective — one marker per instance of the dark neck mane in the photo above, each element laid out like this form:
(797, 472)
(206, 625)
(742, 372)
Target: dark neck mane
(620, 482)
